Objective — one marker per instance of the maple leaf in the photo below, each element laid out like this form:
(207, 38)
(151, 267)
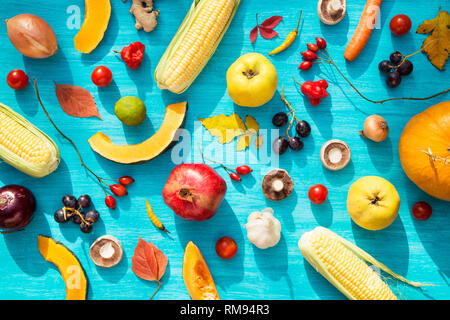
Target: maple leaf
(226, 128)
(243, 141)
(149, 263)
(265, 28)
(76, 101)
(437, 44)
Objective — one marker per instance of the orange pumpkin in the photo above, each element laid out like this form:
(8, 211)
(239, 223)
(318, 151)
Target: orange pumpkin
(425, 150)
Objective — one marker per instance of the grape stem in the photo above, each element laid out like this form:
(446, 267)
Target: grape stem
(331, 61)
(67, 138)
(292, 111)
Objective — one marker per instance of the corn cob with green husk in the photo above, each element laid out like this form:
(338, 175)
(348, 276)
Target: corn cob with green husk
(194, 43)
(24, 146)
(342, 264)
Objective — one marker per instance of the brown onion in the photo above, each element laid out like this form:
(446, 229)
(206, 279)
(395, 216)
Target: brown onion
(32, 36)
(375, 128)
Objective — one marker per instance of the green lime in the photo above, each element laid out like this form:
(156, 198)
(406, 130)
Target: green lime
(130, 110)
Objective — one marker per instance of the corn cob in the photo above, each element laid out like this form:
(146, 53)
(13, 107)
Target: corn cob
(194, 43)
(342, 264)
(24, 146)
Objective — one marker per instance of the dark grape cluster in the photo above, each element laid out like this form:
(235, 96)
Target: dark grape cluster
(397, 66)
(281, 144)
(74, 209)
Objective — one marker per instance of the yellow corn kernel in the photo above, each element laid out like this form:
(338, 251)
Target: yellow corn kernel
(342, 267)
(22, 142)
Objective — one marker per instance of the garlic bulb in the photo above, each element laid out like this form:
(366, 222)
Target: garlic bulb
(263, 229)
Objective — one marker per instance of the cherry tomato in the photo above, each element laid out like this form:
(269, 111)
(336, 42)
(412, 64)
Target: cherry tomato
(17, 79)
(318, 194)
(226, 248)
(421, 210)
(101, 76)
(400, 25)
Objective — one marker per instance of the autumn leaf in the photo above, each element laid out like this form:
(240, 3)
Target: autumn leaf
(437, 44)
(272, 22)
(149, 263)
(259, 141)
(267, 33)
(76, 101)
(252, 130)
(226, 128)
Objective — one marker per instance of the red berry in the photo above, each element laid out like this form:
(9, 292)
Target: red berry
(110, 202)
(101, 76)
(244, 170)
(17, 79)
(309, 55)
(126, 180)
(305, 65)
(226, 248)
(421, 210)
(313, 47)
(321, 43)
(234, 176)
(118, 189)
(400, 25)
(318, 194)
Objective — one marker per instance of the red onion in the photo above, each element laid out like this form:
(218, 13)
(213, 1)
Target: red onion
(17, 205)
(194, 191)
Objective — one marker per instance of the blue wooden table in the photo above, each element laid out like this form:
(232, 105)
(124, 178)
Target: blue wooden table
(418, 250)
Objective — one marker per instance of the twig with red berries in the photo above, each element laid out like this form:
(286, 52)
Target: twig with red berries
(117, 189)
(235, 174)
(310, 57)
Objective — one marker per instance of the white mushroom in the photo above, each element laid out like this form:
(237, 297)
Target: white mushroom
(263, 229)
(335, 154)
(106, 251)
(331, 11)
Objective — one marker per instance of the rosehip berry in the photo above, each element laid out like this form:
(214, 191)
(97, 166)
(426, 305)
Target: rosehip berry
(309, 55)
(305, 65)
(313, 47)
(118, 190)
(321, 43)
(126, 180)
(17, 79)
(244, 170)
(234, 176)
(110, 202)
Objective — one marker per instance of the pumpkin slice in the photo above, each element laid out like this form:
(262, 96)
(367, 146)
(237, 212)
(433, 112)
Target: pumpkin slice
(96, 19)
(197, 277)
(161, 141)
(68, 264)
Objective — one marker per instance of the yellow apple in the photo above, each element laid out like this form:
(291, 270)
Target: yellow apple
(373, 203)
(252, 80)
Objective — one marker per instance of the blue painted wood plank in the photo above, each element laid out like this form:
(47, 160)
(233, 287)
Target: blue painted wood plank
(418, 250)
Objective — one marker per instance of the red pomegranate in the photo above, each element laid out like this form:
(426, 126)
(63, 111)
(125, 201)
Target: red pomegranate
(194, 191)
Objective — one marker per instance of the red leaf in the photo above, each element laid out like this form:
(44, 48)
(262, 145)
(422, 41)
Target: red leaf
(76, 101)
(254, 34)
(267, 33)
(148, 262)
(272, 22)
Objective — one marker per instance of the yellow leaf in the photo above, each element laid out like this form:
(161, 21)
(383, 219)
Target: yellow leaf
(226, 128)
(259, 141)
(245, 139)
(437, 44)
